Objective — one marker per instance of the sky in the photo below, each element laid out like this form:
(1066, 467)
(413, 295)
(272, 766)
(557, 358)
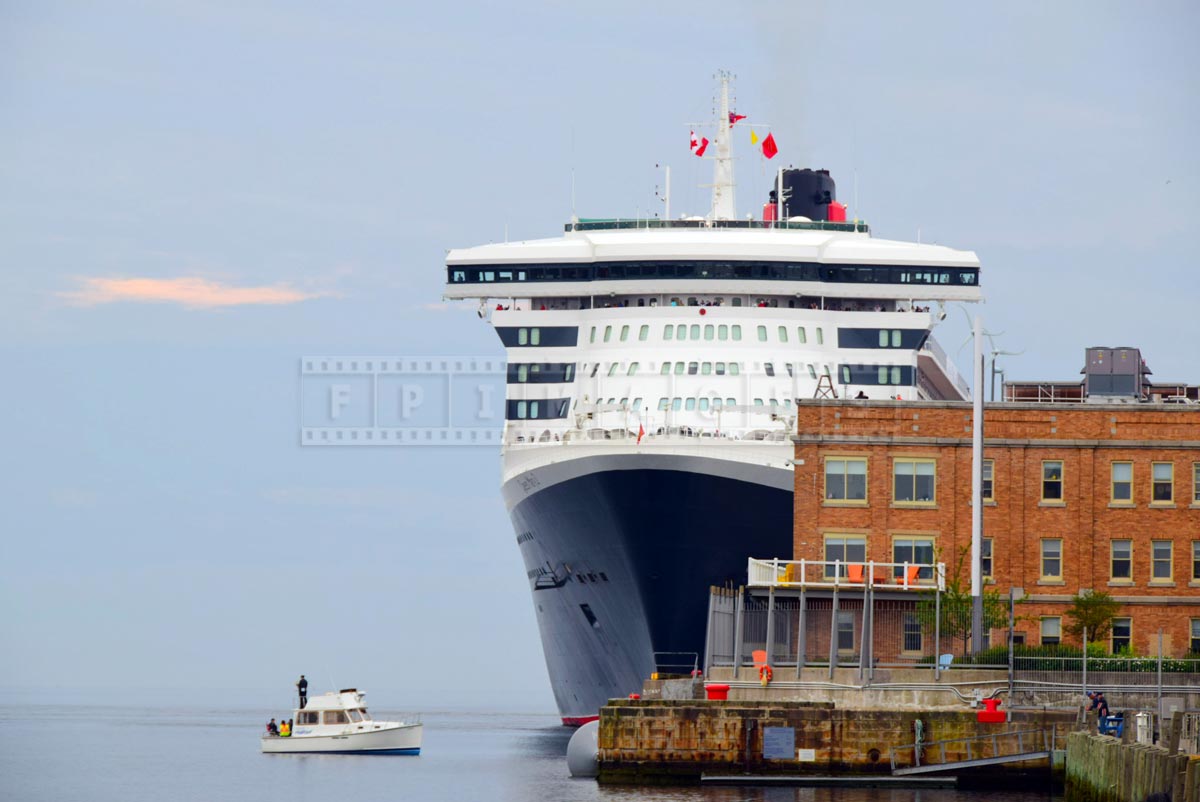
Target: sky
(194, 195)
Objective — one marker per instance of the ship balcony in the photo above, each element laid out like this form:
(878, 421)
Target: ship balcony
(937, 377)
(623, 224)
(844, 575)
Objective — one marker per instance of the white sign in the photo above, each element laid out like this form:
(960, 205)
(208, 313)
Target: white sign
(806, 754)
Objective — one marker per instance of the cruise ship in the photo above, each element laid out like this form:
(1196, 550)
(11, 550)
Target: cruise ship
(652, 370)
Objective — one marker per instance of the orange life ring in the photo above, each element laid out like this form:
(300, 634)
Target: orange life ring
(765, 674)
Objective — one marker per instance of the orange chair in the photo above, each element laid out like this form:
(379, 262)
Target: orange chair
(760, 657)
(854, 573)
(914, 572)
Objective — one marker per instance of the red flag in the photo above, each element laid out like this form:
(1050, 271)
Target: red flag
(768, 146)
(733, 118)
(698, 145)
(641, 434)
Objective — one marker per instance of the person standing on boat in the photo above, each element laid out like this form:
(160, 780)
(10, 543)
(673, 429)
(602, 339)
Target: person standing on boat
(302, 687)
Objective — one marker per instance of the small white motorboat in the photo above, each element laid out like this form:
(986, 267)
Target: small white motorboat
(339, 723)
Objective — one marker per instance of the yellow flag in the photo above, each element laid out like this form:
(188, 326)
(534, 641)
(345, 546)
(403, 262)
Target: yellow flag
(753, 137)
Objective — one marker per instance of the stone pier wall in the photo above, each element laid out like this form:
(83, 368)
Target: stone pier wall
(665, 741)
(1102, 769)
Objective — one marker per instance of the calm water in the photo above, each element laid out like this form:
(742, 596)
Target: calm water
(130, 754)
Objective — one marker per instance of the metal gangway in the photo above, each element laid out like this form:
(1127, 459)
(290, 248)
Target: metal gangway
(980, 750)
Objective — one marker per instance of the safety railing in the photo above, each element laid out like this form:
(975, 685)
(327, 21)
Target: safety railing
(611, 224)
(977, 747)
(841, 574)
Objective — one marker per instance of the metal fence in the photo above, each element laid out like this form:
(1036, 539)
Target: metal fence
(858, 629)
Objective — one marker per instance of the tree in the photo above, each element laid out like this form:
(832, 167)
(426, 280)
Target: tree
(956, 609)
(1094, 610)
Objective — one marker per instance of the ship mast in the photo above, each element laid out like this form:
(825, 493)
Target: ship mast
(722, 188)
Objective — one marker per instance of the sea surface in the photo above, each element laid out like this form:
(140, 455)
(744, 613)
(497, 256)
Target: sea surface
(132, 753)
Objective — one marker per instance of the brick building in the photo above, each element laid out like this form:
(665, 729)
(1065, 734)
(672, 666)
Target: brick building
(1102, 496)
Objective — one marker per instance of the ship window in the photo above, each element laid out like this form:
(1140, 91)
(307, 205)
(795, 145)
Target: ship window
(720, 366)
(722, 332)
(774, 402)
(693, 368)
(704, 405)
(624, 333)
(695, 332)
(590, 616)
(791, 371)
(607, 333)
(522, 373)
(633, 368)
(737, 301)
(355, 716)
(762, 334)
(668, 332)
(521, 410)
(681, 332)
(708, 332)
(758, 402)
(801, 335)
(690, 406)
(533, 409)
(783, 334)
(666, 369)
(623, 401)
(770, 368)
(569, 373)
(595, 369)
(612, 369)
(643, 333)
(591, 337)
(678, 368)
(734, 368)
(717, 403)
(535, 336)
(820, 336)
(705, 368)
(729, 402)
(812, 371)
(676, 404)
(663, 404)
(309, 717)
(523, 336)
(336, 717)
(737, 332)
(637, 404)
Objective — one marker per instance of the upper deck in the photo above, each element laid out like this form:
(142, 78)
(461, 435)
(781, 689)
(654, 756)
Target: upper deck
(609, 257)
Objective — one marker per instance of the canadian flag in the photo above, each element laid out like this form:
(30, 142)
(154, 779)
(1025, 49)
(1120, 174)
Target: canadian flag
(698, 145)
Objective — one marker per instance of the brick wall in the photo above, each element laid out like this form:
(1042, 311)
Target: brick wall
(1019, 439)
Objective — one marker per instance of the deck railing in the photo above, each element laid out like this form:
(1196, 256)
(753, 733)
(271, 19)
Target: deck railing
(845, 575)
(618, 224)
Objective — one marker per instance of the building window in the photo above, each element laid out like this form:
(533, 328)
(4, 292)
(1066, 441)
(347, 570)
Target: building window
(1122, 560)
(985, 559)
(845, 479)
(1196, 560)
(1052, 480)
(1051, 631)
(913, 481)
(1122, 483)
(911, 632)
(1196, 482)
(845, 631)
(1052, 559)
(1160, 560)
(844, 549)
(1162, 490)
(1122, 634)
(1195, 644)
(914, 551)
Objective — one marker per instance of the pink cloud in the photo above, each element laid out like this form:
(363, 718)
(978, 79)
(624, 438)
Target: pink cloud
(191, 292)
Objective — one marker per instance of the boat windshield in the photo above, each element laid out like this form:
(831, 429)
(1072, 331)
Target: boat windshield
(355, 715)
(366, 716)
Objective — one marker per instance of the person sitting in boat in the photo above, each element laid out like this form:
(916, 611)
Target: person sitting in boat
(291, 726)
(272, 727)
(284, 730)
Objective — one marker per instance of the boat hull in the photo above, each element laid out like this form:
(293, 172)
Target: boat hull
(621, 553)
(402, 740)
